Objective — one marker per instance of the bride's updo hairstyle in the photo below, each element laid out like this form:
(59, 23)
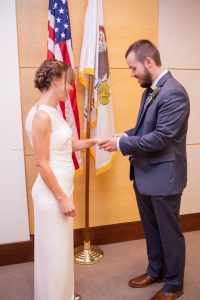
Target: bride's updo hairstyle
(49, 70)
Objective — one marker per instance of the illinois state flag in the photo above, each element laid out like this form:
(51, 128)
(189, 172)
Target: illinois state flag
(94, 61)
(60, 48)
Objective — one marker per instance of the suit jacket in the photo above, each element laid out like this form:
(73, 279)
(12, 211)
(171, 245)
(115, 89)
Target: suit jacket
(157, 144)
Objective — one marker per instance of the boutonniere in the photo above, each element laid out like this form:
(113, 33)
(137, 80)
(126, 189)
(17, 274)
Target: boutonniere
(155, 92)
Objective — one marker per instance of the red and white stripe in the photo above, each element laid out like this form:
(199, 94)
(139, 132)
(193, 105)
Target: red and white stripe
(63, 52)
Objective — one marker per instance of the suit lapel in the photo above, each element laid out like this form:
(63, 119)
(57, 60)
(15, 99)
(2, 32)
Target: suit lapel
(142, 109)
(142, 114)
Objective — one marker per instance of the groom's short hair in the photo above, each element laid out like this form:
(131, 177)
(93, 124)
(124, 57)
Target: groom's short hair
(143, 49)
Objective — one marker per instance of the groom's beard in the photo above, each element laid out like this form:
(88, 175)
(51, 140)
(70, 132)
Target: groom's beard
(146, 79)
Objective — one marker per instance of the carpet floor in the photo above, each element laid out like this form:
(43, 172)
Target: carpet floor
(108, 279)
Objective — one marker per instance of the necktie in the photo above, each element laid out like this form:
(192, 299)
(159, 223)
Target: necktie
(148, 96)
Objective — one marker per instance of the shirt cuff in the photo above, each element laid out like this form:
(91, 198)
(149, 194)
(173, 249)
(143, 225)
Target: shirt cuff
(118, 147)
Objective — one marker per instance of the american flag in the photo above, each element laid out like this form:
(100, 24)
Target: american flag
(60, 48)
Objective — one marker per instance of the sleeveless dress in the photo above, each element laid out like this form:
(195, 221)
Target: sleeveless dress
(53, 242)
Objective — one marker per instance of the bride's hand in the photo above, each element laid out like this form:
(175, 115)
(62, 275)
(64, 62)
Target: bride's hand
(96, 140)
(68, 208)
(93, 141)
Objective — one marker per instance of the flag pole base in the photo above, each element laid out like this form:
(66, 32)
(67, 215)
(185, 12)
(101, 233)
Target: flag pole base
(88, 254)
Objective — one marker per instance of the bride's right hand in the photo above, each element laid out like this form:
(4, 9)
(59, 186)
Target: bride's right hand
(68, 208)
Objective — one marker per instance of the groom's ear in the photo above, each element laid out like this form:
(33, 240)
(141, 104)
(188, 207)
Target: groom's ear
(148, 62)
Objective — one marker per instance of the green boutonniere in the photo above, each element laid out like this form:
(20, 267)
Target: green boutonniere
(153, 95)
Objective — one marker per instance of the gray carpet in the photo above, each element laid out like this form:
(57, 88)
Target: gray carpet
(108, 279)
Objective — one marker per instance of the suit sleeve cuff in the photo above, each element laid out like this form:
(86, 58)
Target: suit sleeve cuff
(118, 147)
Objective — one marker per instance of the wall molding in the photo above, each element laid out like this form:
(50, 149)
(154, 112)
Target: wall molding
(23, 251)
(15, 253)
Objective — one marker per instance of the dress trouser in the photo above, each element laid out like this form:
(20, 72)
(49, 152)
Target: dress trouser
(164, 238)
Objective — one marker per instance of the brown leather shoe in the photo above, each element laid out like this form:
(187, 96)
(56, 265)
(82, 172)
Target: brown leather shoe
(162, 295)
(143, 281)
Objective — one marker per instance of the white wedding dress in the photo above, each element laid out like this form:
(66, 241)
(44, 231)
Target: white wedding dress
(53, 242)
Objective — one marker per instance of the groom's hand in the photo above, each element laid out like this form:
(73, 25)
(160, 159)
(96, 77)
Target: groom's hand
(118, 134)
(109, 145)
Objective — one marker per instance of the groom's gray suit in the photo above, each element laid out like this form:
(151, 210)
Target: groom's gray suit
(158, 166)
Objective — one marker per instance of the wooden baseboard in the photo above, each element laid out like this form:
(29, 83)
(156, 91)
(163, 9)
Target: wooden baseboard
(108, 234)
(15, 253)
(23, 252)
(122, 232)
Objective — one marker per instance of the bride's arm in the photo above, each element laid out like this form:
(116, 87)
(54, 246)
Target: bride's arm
(78, 145)
(41, 130)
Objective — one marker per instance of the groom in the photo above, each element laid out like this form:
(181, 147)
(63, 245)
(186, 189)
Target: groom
(158, 167)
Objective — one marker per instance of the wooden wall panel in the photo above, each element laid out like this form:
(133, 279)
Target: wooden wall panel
(111, 195)
(123, 25)
(31, 175)
(29, 96)
(126, 95)
(190, 200)
(127, 21)
(112, 198)
(32, 31)
(179, 33)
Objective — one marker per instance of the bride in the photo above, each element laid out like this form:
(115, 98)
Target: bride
(52, 193)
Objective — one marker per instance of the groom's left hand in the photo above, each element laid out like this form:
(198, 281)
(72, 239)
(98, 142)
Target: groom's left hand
(109, 145)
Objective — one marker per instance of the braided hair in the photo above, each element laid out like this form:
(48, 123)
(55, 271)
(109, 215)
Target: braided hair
(49, 70)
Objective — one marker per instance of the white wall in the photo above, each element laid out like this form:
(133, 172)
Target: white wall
(179, 44)
(14, 225)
